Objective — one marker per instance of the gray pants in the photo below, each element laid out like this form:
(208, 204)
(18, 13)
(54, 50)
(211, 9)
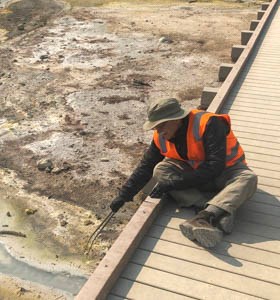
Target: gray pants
(228, 191)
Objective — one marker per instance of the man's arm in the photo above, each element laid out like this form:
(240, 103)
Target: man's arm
(140, 176)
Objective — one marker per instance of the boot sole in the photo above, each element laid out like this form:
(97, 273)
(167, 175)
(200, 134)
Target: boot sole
(207, 237)
(187, 231)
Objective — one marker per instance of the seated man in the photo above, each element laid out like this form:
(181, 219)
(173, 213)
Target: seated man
(192, 155)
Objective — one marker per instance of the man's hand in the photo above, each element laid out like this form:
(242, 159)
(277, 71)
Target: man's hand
(160, 189)
(116, 204)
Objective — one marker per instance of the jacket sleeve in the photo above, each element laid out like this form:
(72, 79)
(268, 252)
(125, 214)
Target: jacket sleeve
(214, 141)
(142, 174)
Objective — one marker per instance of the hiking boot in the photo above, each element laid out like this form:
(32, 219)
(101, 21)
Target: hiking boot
(187, 230)
(226, 222)
(200, 228)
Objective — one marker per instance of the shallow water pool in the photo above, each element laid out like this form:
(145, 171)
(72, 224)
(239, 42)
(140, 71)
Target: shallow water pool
(60, 280)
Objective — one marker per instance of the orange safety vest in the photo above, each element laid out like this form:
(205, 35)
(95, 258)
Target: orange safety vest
(196, 155)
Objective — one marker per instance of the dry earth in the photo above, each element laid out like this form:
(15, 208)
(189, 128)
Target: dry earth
(74, 85)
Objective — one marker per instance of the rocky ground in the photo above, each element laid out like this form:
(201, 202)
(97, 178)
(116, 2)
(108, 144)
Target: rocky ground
(74, 85)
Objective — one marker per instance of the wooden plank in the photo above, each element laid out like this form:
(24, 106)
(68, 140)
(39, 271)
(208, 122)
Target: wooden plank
(264, 75)
(269, 189)
(259, 143)
(251, 100)
(265, 49)
(114, 297)
(262, 197)
(254, 97)
(272, 35)
(260, 58)
(207, 258)
(255, 104)
(264, 81)
(267, 173)
(269, 57)
(252, 83)
(205, 274)
(262, 67)
(271, 39)
(253, 119)
(261, 91)
(259, 61)
(258, 218)
(269, 182)
(254, 110)
(255, 136)
(253, 241)
(257, 78)
(268, 54)
(240, 112)
(247, 124)
(135, 290)
(260, 77)
(264, 72)
(239, 95)
(264, 52)
(261, 150)
(256, 64)
(226, 248)
(262, 208)
(270, 133)
(179, 284)
(267, 232)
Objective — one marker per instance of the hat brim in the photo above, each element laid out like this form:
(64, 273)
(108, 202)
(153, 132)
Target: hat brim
(148, 125)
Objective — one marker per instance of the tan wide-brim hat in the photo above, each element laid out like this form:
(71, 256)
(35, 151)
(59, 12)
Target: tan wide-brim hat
(163, 110)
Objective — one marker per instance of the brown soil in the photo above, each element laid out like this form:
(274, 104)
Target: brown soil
(74, 84)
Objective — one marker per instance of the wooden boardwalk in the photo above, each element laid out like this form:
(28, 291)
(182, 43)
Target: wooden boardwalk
(246, 265)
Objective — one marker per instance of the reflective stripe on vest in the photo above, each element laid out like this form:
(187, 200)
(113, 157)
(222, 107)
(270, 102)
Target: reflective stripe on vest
(162, 144)
(234, 151)
(197, 125)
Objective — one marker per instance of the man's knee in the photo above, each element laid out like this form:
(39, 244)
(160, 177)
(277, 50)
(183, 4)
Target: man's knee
(250, 178)
(252, 182)
(167, 169)
(248, 181)
(160, 171)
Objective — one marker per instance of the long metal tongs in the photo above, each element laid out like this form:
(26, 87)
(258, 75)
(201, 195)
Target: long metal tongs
(150, 189)
(96, 233)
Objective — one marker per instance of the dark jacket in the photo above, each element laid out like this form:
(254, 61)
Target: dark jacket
(214, 141)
